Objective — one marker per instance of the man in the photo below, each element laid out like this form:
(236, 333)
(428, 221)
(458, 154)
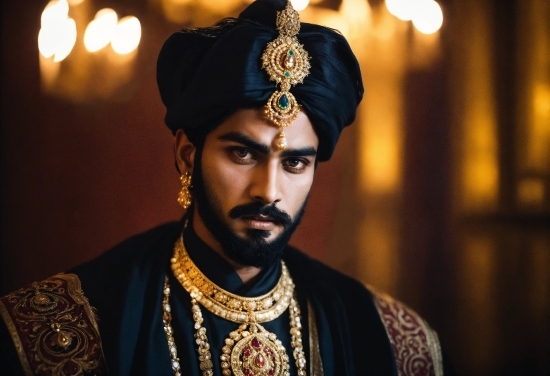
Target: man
(254, 103)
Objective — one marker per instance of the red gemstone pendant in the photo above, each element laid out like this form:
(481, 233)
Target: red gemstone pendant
(256, 344)
(258, 354)
(259, 361)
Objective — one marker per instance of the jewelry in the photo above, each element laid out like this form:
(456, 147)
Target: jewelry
(250, 350)
(184, 196)
(287, 63)
(225, 304)
(167, 323)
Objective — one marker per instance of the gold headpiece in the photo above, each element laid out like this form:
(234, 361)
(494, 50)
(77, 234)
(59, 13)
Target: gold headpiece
(287, 63)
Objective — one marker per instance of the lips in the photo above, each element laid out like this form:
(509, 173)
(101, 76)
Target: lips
(263, 217)
(259, 221)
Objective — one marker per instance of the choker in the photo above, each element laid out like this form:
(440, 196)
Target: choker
(250, 350)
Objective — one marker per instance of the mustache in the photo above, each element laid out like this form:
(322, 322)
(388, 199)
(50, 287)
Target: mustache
(257, 208)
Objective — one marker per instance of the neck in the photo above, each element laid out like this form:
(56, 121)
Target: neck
(248, 274)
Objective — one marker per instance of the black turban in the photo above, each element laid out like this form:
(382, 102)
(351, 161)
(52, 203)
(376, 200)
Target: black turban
(206, 74)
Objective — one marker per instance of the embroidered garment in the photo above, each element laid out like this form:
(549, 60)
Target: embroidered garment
(53, 327)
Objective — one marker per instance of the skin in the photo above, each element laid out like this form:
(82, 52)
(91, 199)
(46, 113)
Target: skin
(241, 164)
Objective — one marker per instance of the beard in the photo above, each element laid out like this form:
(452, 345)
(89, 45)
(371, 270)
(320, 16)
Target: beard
(254, 249)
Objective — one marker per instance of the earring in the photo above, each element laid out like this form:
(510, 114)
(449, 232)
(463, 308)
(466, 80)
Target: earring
(184, 196)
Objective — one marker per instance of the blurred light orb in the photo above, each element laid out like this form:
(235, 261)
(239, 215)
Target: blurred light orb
(48, 38)
(299, 5)
(402, 9)
(100, 30)
(67, 41)
(127, 35)
(55, 11)
(57, 36)
(428, 17)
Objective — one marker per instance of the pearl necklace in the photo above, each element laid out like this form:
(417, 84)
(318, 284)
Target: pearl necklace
(250, 350)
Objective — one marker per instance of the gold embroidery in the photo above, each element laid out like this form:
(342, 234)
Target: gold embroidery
(54, 328)
(415, 344)
(16, 340)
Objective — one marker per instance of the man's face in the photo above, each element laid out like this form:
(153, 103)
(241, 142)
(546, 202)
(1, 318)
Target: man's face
(249, 195)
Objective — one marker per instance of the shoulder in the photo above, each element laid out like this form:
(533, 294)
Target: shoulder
(52, 325)
(53, 328)
(415, 345)
(133, 247)
(132, 255)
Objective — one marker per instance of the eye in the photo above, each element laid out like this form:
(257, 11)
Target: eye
(295, 165)
(242, 155)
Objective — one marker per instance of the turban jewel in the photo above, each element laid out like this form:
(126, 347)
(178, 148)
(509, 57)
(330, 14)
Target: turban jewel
(207, 74)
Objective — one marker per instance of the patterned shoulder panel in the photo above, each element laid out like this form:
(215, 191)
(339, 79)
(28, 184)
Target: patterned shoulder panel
(54, 328)
(415, 345)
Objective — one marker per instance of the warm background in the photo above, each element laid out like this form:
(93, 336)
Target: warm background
(439, 194)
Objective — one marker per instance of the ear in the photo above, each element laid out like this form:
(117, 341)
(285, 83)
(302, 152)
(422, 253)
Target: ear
(184, 151)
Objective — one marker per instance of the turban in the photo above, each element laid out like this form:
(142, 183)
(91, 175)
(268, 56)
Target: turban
(207, 74)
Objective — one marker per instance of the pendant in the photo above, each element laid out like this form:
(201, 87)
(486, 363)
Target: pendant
(254, 352)
(250, 350)
(281, 141)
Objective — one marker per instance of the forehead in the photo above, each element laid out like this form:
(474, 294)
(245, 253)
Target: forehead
(253, 124)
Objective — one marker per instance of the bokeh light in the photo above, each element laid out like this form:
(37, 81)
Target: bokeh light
(299, 5)
(57, 36)
(127, 35)
(67, 41)
(55, 11)
(100, 30)
(48, 38)
(402, 9)
(427, 17)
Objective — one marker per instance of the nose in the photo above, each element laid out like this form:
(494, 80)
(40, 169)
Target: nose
(266, 184)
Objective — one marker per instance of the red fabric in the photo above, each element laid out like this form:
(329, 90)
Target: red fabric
(412, 345)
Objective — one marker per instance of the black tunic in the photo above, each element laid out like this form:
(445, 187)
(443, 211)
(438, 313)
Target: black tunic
(125, 286)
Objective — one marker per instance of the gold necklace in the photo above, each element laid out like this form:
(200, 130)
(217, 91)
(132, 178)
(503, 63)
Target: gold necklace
(250, 350)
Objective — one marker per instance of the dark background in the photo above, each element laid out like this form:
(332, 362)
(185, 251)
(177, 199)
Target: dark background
(86, 161)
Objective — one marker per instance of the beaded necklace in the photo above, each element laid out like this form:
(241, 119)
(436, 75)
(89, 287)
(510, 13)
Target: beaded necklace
(250, 350)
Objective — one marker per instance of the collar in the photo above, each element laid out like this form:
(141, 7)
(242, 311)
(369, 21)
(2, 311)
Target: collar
(219, 271)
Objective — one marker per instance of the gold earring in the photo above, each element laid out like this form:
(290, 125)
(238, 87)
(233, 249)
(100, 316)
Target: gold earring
(184, 196)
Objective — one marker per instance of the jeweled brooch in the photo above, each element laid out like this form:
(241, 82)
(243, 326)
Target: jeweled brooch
(287, 63)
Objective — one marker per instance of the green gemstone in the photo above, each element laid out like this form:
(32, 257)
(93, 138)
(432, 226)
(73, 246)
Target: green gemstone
(283, 102)
(290, 52)
(287, 74)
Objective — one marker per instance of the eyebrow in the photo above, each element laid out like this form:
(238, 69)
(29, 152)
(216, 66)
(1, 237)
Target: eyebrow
(245, 140)
(303, 152)
(308, 151)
